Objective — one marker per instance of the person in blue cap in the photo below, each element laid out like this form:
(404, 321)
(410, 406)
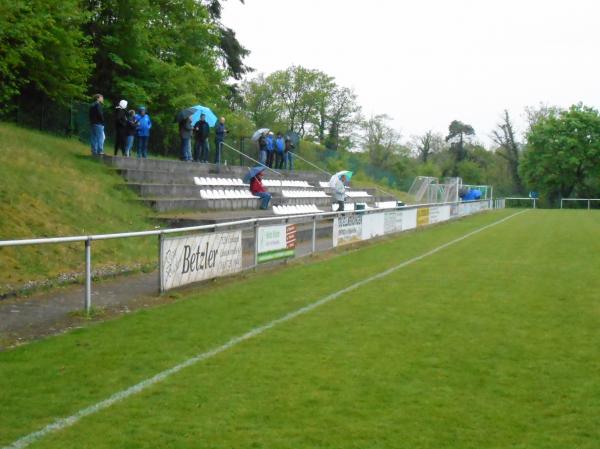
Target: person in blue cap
(143, 132)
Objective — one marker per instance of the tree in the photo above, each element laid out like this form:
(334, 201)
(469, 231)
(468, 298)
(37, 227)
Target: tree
(258, 100)
(457, 133)
(504, 137)
(43, 50)
(380, 141)
(296, 90)
(161, 53)
(426, 145)
(343, 116)
(563, 153)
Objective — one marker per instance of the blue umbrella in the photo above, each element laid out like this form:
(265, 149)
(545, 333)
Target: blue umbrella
(253, 172)
(211, 118)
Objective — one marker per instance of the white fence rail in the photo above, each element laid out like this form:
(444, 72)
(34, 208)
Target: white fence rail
(588, 200)
(209, 251)
(533, 200)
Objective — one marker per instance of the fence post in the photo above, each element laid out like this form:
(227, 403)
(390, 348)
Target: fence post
(88, 276)
(255, 244)
(588, 204)
(561, 203)
(314, 235)
(160, 273)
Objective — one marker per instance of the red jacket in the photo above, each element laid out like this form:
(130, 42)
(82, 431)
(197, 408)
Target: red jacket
(256, 185)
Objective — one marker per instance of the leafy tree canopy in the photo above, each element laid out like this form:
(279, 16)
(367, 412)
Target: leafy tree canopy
(562, 158)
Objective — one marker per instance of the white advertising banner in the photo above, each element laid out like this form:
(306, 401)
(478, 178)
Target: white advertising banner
(442, 213)
(392, 221)
(195, 258)
(409, 219)
(347, 229)
(373, 225)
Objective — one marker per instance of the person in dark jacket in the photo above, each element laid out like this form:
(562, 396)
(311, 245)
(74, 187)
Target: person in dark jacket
(201, 131)
(289, 154)
(257, 189)
(185, 133)
(121, 127)
(262, 149)
(96, 116)
(220, 132)
(132, 127)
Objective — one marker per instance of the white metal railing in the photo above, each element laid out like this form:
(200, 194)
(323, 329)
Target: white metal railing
(534, 200)
(589, 201)
(88, 239)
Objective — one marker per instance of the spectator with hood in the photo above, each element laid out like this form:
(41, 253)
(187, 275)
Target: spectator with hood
(143, 132)
(279, 151)
(121, 127)
(270, 149)
(257, 189)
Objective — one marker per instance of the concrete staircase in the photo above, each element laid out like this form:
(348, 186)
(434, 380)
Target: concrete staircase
(168, 185)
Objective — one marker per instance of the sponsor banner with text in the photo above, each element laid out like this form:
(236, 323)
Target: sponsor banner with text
(347, 229)
(422, 216)
(276, 242)
(392, 221)
(195, 258)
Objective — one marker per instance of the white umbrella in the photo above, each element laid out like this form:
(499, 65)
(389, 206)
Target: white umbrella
(257, 134)
(335, 177)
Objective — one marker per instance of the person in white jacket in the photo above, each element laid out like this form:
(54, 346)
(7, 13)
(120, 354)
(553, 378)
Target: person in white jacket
(339, 192)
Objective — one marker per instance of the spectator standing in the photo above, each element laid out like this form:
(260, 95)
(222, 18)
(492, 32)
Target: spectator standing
(96, 116)
(220, 132)
(339, 192)
(143, 132)
(279, 151)
(132, 127)
(185, 133)
(257, 189)
(262, 149)
(270, 149)
(201, 131)
(289, 154)
(120, 127)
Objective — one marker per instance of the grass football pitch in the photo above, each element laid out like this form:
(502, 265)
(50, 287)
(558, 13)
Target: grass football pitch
(490, 342)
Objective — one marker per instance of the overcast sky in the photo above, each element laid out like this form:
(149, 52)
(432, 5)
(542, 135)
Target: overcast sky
(428, 62)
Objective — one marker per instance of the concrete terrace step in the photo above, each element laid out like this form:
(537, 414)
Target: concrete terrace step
(197, 169)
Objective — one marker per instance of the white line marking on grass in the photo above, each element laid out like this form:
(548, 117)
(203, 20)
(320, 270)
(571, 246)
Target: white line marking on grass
(119, 396)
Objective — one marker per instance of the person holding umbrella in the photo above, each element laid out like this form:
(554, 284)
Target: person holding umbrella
(338, 184)
(255, 175)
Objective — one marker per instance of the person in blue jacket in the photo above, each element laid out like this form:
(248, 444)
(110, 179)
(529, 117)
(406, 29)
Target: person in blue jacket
(270, 149)
(143, 132)
(279, 151)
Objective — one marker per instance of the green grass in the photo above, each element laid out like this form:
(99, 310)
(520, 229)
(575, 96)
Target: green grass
(50, 186)
(490, 343)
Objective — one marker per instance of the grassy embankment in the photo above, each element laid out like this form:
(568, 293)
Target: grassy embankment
(50, 186)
